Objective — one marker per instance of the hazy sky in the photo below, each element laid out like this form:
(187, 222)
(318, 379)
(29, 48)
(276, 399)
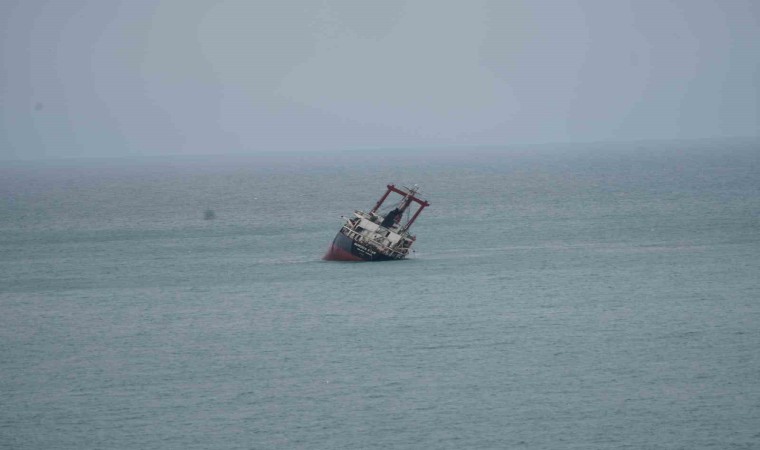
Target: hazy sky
(107, 77)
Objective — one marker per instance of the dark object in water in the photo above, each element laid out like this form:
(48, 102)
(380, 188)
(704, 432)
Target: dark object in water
(371, 237)
(209, 214)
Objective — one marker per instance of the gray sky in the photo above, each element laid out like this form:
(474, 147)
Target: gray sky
(148, 77)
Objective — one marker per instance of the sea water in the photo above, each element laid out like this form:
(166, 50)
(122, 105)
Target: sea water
(585, 296)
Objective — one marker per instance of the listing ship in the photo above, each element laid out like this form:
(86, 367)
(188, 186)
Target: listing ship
(372, 236)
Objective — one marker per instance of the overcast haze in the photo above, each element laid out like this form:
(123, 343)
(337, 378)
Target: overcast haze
(110, 78)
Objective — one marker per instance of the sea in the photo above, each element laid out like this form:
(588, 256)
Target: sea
(575, 296)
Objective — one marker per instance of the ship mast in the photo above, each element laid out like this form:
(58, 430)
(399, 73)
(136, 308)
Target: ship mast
(409, 197)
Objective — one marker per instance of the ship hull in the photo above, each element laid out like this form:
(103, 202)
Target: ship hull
(344, 248)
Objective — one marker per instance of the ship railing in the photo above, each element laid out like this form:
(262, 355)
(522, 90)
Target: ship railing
(362, 239)
(354, 235)
(386, 249)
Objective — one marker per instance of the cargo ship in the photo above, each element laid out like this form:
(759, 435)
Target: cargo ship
(374, 236)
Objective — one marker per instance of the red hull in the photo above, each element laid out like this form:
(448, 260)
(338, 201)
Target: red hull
(335, 253)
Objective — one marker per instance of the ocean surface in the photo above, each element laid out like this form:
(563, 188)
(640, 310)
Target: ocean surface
(587, 296)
